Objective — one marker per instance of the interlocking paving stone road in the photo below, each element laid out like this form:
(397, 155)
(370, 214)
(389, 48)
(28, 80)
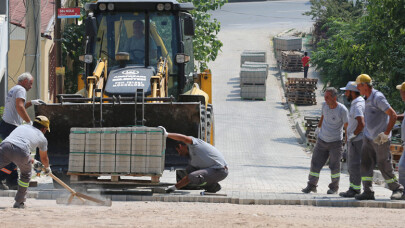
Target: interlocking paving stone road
(267, 165)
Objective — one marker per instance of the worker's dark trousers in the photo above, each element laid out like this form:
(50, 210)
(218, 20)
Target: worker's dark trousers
(10, 173)
(322, 151)
(401, 168)
(354, 163)
(306, 71)
(10, 153)
(206, 178)
(372, 154)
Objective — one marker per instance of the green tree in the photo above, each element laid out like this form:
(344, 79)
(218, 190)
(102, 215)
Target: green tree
(369, 41)
(206, 43)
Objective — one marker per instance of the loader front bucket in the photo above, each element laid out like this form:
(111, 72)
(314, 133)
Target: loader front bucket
(176, 117)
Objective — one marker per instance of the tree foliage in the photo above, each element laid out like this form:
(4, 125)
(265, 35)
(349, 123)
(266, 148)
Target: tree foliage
(361, 37)
(206, 44)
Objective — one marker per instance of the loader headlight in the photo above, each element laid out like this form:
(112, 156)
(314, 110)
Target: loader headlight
(182, 58)
(110, 6)
(160, 7)
(102, 7)
(168, 6)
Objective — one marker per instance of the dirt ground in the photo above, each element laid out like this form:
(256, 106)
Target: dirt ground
(159, 214)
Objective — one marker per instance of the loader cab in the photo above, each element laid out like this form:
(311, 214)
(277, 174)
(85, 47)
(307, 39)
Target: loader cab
(146, 30)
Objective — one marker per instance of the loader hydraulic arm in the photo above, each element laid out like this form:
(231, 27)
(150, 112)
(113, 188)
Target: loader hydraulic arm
(98, 79)
(159, 81)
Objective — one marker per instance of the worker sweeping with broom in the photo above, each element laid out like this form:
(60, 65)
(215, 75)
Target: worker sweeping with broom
(17, 148)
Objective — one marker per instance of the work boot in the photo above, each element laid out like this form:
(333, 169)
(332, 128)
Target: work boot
(397, 195)
(19, 205)
(349, 193)
(309, 188)
(213, 189)
(331, 191)
(365, 196)
(3, 186)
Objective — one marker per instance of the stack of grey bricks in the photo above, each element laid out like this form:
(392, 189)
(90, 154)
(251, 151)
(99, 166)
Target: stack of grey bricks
(253, 74)
(286, 43)
(122, 150)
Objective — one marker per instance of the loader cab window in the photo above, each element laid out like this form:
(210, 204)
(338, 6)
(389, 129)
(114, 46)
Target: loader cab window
(127, 32)
(163, 31)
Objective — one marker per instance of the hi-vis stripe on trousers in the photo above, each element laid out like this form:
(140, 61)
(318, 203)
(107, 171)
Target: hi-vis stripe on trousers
(322, 151)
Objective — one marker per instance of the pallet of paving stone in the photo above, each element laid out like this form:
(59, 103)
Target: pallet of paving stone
(287, 42)
(256, 65)
(121, 151)
(253, 75)
(253, 56)
(253, 92)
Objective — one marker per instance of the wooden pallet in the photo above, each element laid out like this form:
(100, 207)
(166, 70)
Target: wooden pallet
(302, 80)
(114, 179)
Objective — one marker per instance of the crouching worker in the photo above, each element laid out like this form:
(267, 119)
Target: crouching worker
(17, 148)
(206, 167)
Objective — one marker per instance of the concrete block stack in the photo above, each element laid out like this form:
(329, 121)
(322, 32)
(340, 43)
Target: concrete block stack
(301, 91)
(291, 61)
(286, 43)
(77, 145)
(107, 147)
(146, 153)
(92, 150)
(122, 150)
(253, 74)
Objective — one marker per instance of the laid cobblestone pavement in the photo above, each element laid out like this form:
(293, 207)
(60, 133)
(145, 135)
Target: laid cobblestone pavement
(267, 165)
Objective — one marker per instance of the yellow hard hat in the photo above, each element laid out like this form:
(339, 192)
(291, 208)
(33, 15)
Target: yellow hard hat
(43, 120)
(363, 78)
(401, 87)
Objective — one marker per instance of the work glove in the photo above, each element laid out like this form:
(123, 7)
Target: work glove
(47, 170)
(351, 137)
(31, 123)
(171, 189)
(37, 102)
(381, 138)
(317, 130)
(37, 165)
(164, 131)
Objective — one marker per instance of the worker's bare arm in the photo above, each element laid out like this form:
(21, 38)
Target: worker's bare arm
(19, 105)
(179, 137)
(44, 158)
(393, 118)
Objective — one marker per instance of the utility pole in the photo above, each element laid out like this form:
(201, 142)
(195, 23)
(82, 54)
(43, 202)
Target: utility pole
(3, 84)
(33, 45)
(57, 39)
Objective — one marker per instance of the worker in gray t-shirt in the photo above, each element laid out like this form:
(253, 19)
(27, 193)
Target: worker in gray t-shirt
(329, 143)
(207, 166)
(13, 116)
(354, 138)
(17, 148)
(380, 119)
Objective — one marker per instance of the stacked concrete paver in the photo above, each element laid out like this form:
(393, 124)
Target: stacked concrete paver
(253, 75)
